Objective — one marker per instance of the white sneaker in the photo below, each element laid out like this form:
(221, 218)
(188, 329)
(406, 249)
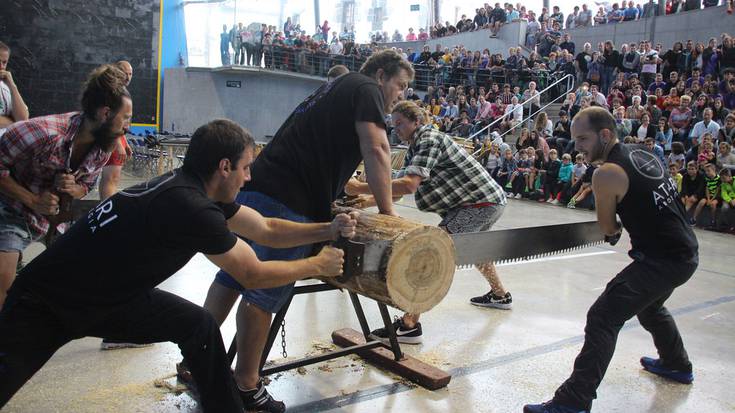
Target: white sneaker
(555, 202)
(548, 200)
(518, 196)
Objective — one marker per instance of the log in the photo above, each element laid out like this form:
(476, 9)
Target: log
(416, 269)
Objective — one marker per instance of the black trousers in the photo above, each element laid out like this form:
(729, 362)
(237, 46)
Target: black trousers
(31, 332)
(640, 289)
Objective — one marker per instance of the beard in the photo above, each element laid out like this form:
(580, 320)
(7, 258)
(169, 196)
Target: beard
(105, 136)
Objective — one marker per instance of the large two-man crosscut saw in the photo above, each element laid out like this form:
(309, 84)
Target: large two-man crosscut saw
(501, 246)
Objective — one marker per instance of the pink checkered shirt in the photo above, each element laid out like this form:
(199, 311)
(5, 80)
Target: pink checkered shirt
(34, 151)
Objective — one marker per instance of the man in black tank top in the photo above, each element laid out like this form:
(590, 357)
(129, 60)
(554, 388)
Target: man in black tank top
(632, 183)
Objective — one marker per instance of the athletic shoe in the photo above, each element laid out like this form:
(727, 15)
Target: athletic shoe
(259, 400)
(572, 203)
(108, 344)
(550, 407)
(403, 334)
(518, 196)
(654, 366)
(549, 200)
(491, 300)
(555, 202)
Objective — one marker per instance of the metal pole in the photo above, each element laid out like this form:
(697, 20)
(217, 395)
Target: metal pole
(316, 13)
(546, 4)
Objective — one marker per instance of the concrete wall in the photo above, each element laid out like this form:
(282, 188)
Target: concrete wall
(194, 96)
(697, 25)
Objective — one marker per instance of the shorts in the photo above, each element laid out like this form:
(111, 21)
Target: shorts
(471, 218)
(115, 158)
(267, 299)
(15, 235)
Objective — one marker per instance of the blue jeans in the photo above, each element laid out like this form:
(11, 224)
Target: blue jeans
(14, 232)
(267, 299)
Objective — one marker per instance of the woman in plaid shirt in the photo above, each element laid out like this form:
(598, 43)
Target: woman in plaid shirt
(446, 180)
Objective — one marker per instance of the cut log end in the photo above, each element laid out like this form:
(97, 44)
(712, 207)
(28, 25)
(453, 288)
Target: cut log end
(420, 269)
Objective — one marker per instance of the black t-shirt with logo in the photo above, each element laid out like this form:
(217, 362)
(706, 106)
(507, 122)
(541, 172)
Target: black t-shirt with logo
(128, 244)
(317, 149)
(651, 210)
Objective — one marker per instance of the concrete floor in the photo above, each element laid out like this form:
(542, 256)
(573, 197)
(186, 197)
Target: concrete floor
(499, 360)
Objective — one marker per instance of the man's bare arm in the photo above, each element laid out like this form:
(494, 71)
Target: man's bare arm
(609, 184)
(245, 267)
(281, 233)
(376, 153)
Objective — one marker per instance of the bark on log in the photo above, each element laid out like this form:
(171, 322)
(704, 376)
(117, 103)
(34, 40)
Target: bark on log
(416, 270)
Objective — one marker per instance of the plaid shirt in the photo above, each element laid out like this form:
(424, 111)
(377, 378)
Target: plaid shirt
(34, 151)
(450, 176)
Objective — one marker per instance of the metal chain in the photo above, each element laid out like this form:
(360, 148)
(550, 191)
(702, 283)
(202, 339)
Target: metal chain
(283, 338)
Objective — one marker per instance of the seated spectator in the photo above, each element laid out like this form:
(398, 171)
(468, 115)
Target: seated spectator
(582, 189)
(695, 78)
(650, 143)
(411, 95)
(12, 107)
(645, 128)
(532, 99)
(677, 155)
(397, 36)
(680, 121)
(561, 134)
(564, 180)
(692, 187)
(663, 135)
(727, 132)
(423, 36)
(513, 115)
(542, 125)
(597, 97)
(36, 197)
(508, 167)
(480, 20)
(623, 125)
(706, 125)
(411, 36)
(635, 110)
(497, 19)
(725, 157)
(719, 111)
(616, 15)
(658, 83)
(601, 16)
(675, 174)
(711, 194)
(727, 194)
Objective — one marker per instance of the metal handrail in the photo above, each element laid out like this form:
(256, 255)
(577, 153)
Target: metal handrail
(567, 77)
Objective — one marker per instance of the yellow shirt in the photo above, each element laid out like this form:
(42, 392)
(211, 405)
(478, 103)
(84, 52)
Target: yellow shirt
(678, 179)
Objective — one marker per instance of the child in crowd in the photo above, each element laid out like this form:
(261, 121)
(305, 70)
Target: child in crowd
(711, 194)
(676, 175)
(727, 194)
(551, 176)
(507, 167)
(707, 154)
(537, 171)
(519, 178)
(677, 155)
(565, 178)
(692, 187)
(493, 160)
(579, 168)
(583, 189)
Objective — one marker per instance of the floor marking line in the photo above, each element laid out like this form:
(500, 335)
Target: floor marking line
(376, 392)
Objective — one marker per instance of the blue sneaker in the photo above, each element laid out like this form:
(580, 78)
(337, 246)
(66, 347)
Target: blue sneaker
(655, 367)
(550, 407)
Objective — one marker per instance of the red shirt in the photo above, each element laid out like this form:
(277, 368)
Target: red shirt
(34, 151)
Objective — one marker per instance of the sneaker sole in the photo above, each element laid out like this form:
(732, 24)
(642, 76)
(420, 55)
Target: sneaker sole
(494, 305)
(404, 340)
(119, 346)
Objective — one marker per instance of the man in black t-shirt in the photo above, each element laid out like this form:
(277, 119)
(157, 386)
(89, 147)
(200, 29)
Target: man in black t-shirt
(298, 176)
(634, 184)
(70, 290)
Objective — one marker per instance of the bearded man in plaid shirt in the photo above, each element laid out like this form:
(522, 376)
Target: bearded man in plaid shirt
(445, 179)
(46, 162)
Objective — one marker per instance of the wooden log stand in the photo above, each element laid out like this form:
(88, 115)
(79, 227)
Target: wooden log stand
(416, 272)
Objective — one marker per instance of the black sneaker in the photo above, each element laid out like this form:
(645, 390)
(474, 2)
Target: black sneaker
(403, 334)
(259, 400)
(491, 300)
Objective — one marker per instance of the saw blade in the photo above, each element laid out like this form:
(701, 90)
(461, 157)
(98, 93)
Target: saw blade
(518, 244)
